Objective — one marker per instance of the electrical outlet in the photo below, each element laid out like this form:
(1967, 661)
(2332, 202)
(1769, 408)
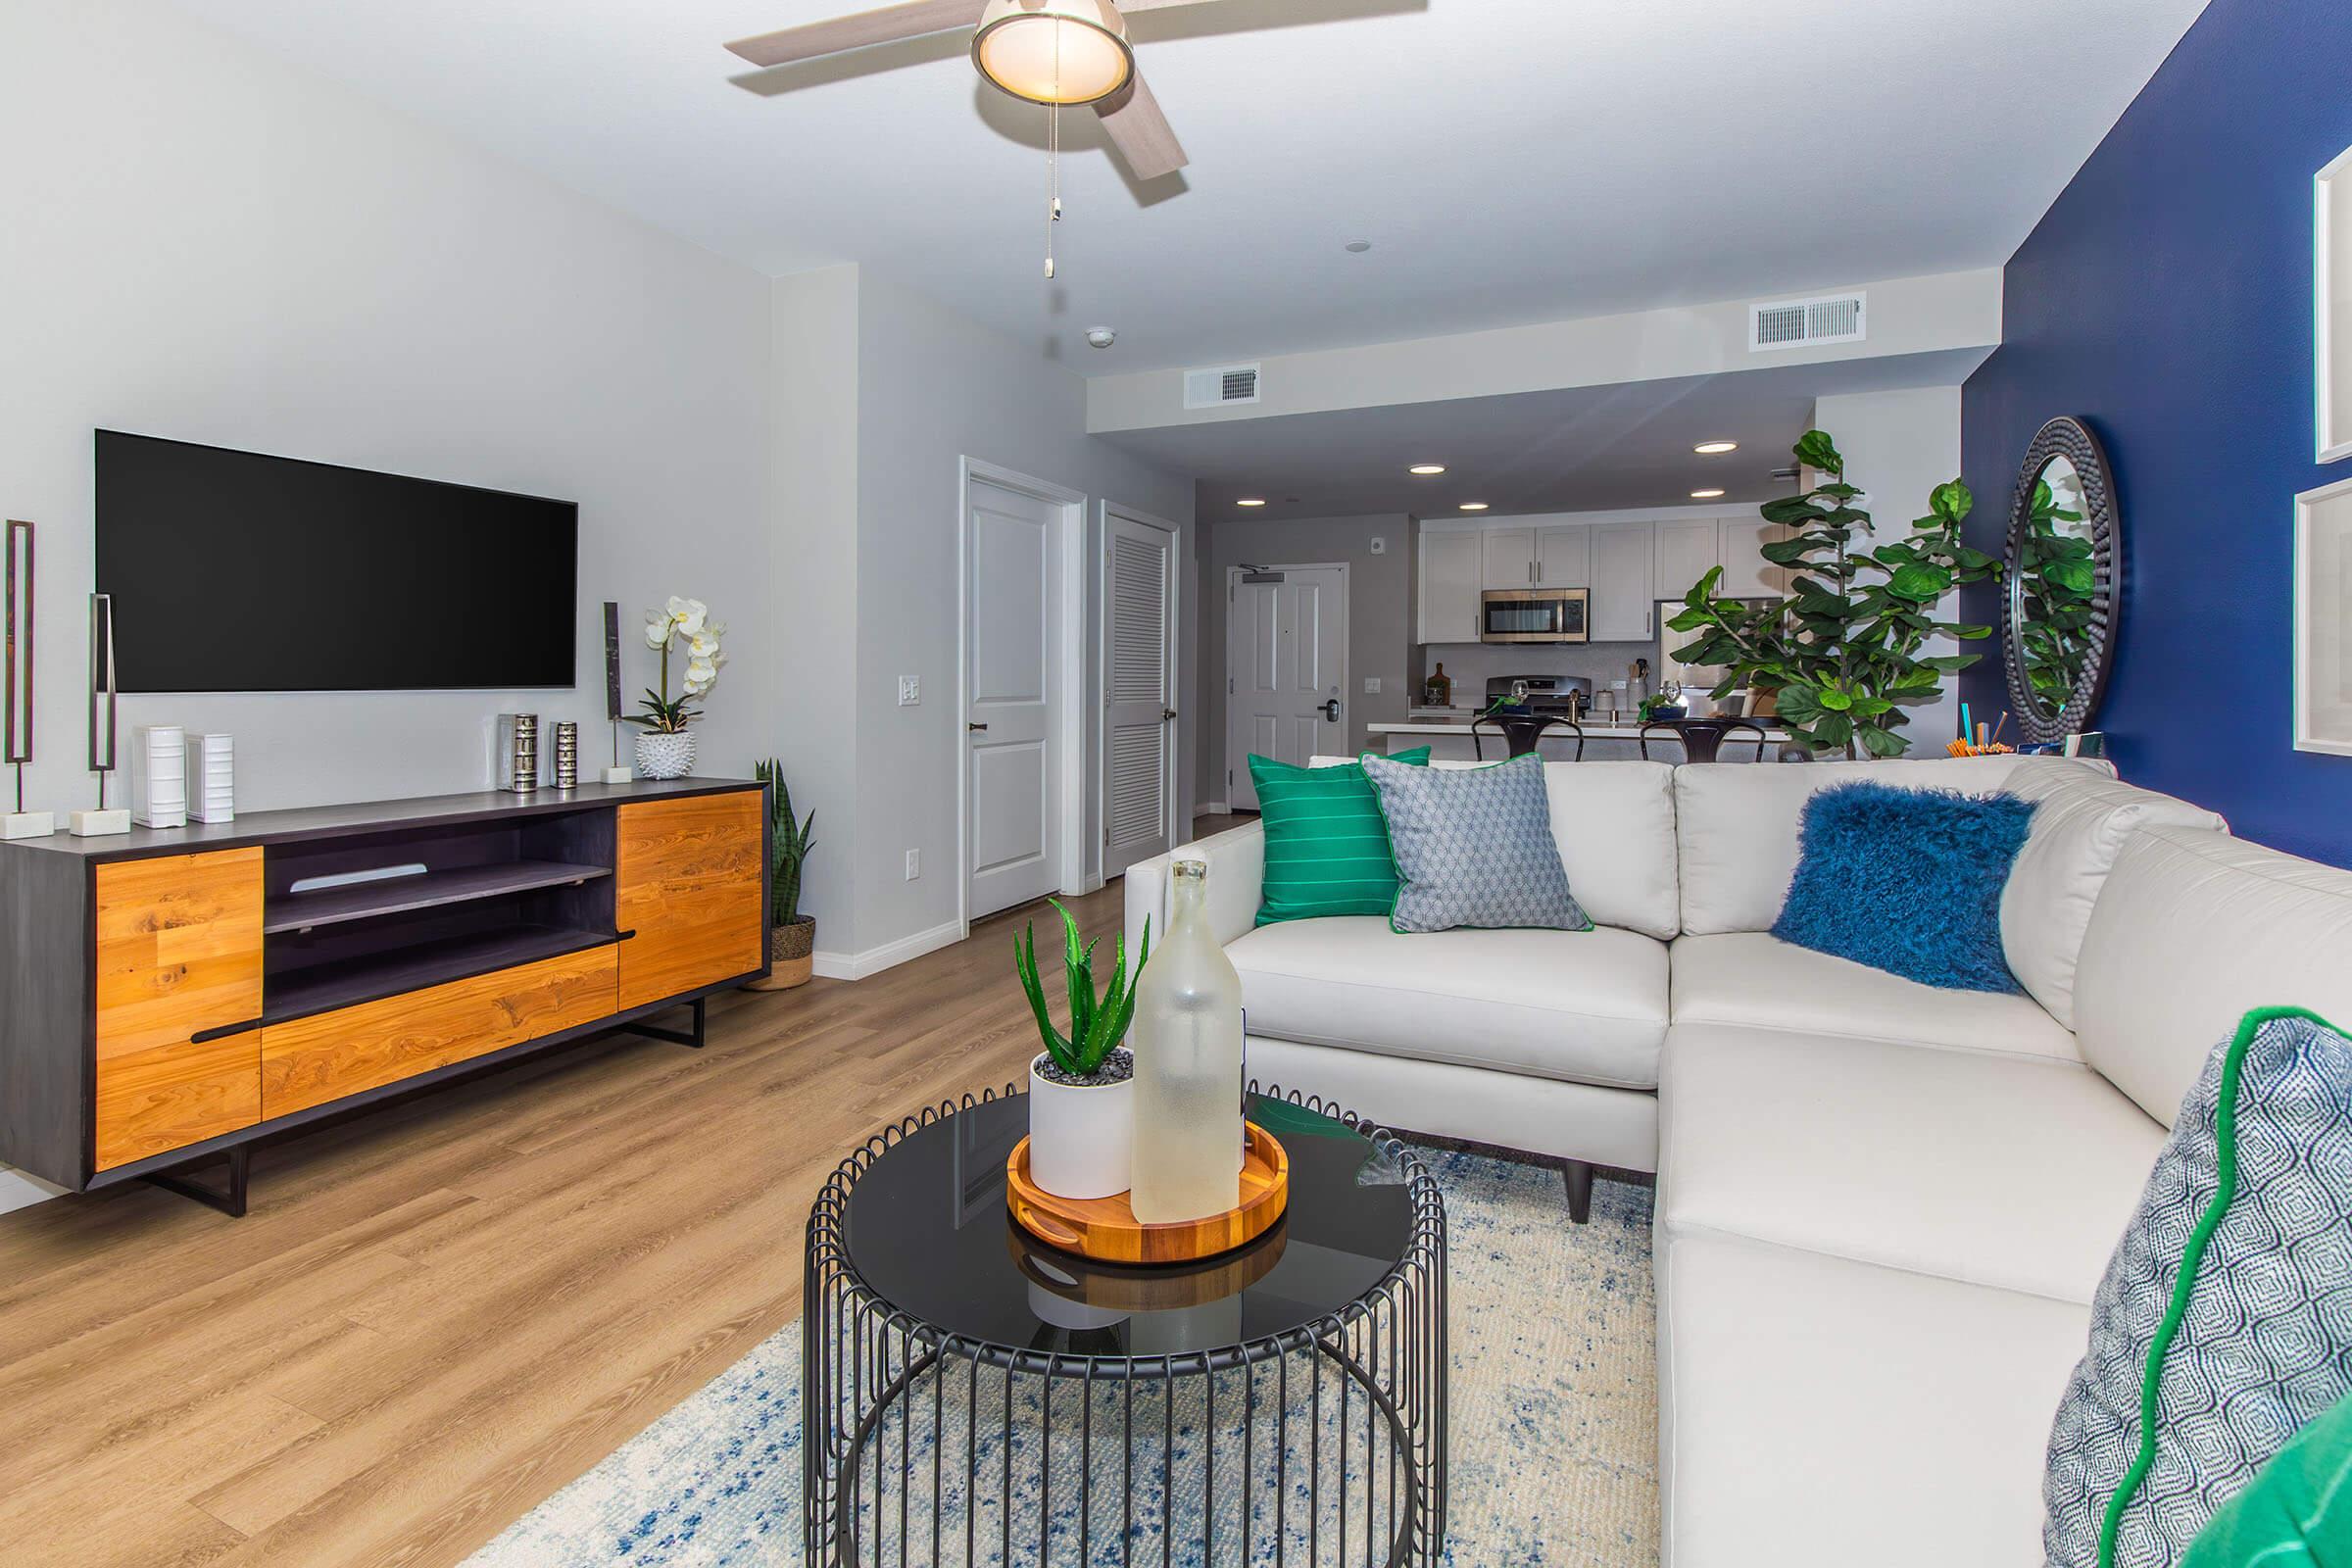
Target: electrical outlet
(1371, 685)
(911, 691)
(1380, 547)
(914, 864)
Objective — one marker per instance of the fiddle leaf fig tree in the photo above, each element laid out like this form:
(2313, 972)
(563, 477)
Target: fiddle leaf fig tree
(1846, 650)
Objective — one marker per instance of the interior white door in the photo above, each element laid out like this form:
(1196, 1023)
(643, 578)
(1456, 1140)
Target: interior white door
(1287, 670)
(1011, 744)
(1138, 695)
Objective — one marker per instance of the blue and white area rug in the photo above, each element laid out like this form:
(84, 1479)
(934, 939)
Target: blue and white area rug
(1554, 1412)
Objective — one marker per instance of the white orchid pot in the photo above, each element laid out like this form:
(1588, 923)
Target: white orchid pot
(1081, 1140)
(665, 754)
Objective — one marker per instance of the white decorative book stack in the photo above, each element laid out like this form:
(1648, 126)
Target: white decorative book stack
(158, 777)
(211, 778)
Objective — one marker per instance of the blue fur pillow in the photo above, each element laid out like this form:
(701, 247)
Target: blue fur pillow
(1909, 881)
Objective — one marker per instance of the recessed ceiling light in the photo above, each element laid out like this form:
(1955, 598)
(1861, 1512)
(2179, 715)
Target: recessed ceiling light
(1250, 501)
(1424, 469)
(1713, 448)
(1359, 246)
(1704, 495)
(1474, 506)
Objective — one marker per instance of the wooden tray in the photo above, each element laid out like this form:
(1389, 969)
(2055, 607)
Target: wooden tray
(1107, 1230)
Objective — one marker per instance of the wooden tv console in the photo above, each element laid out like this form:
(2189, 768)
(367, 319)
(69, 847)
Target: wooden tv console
(169, 997)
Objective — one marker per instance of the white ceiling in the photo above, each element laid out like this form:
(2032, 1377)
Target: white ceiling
(1510, 160)
(1579, 449)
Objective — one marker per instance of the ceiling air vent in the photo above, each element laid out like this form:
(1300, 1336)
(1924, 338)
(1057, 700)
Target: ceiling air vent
(1220, 385)
(1807, 323)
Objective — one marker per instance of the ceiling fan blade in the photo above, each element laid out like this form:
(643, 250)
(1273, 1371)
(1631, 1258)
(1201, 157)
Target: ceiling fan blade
(1139, 131)
(1130, 7)
(888, 25)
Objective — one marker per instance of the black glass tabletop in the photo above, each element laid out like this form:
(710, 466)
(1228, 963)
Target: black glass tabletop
(927, 1230)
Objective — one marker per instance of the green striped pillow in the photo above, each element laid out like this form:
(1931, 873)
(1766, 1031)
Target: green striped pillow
(1327, 845)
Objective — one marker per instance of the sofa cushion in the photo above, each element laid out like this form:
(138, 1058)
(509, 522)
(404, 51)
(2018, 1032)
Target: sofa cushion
(2193, 930)
(1588, 1007)
(1907, 881)
(1327, 848)
(2250, 1205)
(1821, 1412)
(1473, 848)
(2082, 817)
(1614, 825)
(1736, 824)
(1752, 977)
(2009, 1171)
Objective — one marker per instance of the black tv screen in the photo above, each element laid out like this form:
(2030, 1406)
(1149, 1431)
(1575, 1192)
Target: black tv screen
(230, 571)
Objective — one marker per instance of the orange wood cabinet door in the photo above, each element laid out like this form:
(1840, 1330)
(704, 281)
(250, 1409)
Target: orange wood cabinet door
(688, 882)
(178, 953)
(327, 1056)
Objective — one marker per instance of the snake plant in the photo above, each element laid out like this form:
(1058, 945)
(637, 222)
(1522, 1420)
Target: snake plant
(1095, 1027)
(790, 845)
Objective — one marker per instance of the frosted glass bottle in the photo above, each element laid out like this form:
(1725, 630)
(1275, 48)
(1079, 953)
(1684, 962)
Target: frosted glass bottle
(1187, 1039)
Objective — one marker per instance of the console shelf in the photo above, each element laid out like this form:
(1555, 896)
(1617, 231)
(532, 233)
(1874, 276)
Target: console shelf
(370, 978)
(430, 889)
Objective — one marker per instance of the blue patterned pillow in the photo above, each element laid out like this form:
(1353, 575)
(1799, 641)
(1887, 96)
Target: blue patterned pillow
(2226, 1309)
(1473, 846)
(1909, 881)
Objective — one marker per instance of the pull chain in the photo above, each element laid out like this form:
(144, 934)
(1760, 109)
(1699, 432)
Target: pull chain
(1053, 156)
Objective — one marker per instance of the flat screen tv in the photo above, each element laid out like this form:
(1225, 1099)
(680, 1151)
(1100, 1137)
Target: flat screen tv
(231, 571)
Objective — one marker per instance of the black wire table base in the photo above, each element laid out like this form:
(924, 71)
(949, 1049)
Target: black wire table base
(1323, 1445)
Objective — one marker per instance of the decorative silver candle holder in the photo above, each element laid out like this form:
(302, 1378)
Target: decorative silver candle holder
(518, 752)
(567, 755)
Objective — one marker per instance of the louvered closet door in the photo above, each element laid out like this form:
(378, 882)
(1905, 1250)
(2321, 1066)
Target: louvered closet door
(1138, 746)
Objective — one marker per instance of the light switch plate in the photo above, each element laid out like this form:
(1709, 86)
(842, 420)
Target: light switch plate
(911, 691)
(1371, 685)
(914, 864)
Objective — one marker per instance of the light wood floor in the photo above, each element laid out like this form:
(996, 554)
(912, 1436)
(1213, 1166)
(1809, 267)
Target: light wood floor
(438, 1314)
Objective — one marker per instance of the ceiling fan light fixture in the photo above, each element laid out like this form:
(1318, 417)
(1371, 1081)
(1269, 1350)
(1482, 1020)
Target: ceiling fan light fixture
(1053, 51)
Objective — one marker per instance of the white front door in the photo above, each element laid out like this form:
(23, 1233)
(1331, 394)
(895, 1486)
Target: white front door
(1286, 655)
(1011, 744)
(1139, 693)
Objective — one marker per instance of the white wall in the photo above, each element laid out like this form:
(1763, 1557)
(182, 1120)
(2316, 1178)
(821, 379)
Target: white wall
(933, 389)
(1898, 446)
(1951, 318)
(205, 244)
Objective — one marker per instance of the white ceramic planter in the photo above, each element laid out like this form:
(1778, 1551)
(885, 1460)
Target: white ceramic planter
(1081, 1141)
(665, 754)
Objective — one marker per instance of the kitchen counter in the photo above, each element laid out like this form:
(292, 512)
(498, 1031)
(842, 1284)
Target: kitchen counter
(1606, 741)
(1594, 729)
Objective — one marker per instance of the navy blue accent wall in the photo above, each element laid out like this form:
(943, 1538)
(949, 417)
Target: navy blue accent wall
(2166, 298)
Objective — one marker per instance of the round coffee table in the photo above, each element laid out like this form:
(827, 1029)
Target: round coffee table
(973, 1395)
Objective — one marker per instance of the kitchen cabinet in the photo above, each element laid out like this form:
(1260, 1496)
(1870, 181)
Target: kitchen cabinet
(1747, 575)
(1564, 557)
(1623, 571)
(1452, 576)
(1511, 558)
(1687, 549)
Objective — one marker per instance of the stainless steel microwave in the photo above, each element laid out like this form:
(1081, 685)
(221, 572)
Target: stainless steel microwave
(1532, 615)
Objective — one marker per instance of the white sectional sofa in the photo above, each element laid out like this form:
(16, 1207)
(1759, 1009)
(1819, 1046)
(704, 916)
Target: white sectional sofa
(1882, 1208)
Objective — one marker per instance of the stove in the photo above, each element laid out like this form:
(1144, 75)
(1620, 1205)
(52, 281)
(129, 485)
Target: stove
(1567, 695)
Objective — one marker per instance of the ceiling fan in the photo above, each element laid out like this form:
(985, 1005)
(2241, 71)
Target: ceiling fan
(1055, 52)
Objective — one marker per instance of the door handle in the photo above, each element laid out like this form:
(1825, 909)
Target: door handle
(972, 726)
(1331, 711)
(1167, 714)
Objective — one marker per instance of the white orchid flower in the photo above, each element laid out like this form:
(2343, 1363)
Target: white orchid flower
(689, 614)
(702, 670)
(657, 633)
(701, 645)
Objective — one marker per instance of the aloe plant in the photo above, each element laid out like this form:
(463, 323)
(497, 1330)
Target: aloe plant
(790, 844)
(1096, 1026)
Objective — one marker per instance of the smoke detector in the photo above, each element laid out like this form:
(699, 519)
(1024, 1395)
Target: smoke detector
(1100, 337)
